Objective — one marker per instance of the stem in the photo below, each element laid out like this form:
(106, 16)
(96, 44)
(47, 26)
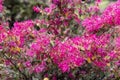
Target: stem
(25, 77)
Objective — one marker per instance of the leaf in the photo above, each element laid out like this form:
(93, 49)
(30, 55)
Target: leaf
(89, 60)
(52, 43)
(108, 64)
(82, 48)
(94, 57)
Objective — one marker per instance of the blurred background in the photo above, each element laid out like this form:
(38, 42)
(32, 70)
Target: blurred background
(19, 10)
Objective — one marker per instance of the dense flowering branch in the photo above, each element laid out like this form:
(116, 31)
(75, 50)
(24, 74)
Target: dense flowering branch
(67, 37)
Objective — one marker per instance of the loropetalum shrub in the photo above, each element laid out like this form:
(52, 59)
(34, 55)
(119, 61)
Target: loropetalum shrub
(70, 36)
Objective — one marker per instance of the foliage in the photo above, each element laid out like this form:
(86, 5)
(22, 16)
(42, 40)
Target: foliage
(71, 40)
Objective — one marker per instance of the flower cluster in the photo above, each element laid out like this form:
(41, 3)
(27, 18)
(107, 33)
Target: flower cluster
(93, 23)
(61, 40)
(111, 14)
(109, 17)
(67, 55)
(1, 5)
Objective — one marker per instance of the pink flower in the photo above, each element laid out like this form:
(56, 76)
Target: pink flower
(7, 62)
(36, 9)
(66, 55)
(100, 64)
(30, 53)
(64, 67)
(52, 6)
(39, 68)
(57, 2)
(1, 5)
(41, 43)
(3, 33)
(94, 9)
(111, 14)
(48, 10)
(27, 63)
(1, 8)
(117, 42)
(93, 23)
